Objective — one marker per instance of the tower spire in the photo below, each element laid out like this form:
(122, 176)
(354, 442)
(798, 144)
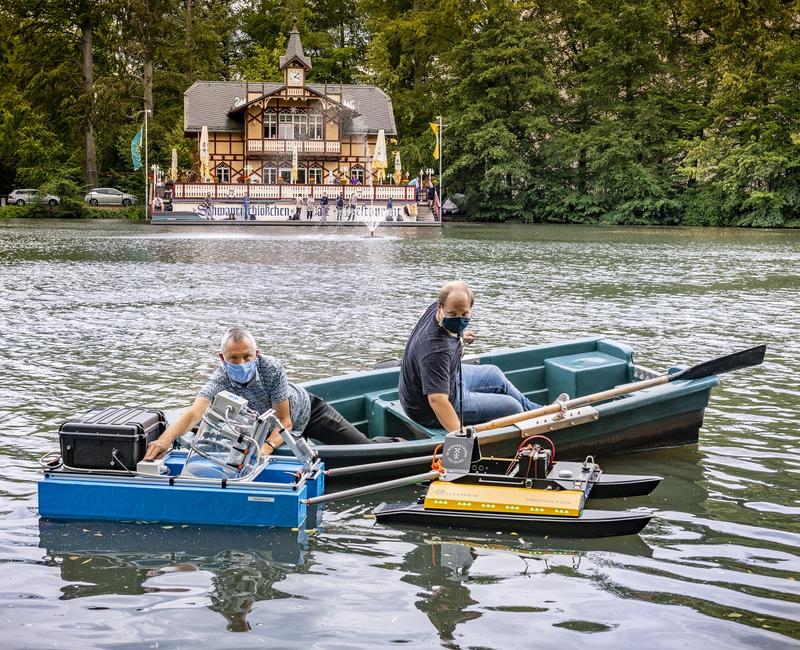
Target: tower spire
(294, 49)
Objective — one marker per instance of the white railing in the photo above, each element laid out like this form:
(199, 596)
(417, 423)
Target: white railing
(287, 146)
(222, 191)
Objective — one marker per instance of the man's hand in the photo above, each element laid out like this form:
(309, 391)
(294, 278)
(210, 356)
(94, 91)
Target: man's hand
(157, 449)
(469, 337)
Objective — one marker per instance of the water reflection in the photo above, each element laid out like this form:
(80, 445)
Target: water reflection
(234, 568)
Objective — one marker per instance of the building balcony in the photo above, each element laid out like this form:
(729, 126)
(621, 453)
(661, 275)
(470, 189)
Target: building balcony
(287, 146)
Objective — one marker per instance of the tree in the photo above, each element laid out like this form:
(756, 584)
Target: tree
(746, 162)
(497, 112)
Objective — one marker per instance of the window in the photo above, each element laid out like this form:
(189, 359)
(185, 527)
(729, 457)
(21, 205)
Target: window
(223, 173)
(291, 123)
(301, 175)
(285, 172)
(315, 126)
(315, 174)
(270, 175)
(286, 131)
(270, 125)
(358, 172)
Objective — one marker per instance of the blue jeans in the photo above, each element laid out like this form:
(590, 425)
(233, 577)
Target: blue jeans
(488, 394)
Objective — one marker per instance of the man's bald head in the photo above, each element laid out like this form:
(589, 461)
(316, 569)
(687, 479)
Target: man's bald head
(456, 288)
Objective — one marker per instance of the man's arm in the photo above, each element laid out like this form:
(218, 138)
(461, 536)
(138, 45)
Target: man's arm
(444, 411)
(274, 438)
(185, 421)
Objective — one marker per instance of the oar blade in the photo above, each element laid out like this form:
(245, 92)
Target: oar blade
(744, 359)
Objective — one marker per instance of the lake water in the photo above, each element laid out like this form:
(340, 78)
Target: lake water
(101, 313)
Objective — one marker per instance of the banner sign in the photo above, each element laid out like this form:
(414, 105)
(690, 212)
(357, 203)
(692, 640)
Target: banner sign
(228, 210)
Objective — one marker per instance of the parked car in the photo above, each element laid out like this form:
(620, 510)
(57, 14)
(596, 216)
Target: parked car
(109, 196)
(22, 197)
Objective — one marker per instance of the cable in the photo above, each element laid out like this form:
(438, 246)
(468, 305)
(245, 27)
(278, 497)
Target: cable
(550, 442)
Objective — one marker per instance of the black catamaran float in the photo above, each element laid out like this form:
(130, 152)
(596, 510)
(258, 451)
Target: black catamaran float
(615, 405)
(529, 493)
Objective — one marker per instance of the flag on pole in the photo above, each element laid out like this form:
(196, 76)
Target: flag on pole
(173, 170)
(293, 172)
(435, 129)
(136, 150)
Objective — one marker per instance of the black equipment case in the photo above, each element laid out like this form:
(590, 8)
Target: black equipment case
(109, 438)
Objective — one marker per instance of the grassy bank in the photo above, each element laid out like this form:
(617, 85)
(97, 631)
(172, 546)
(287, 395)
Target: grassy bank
(132, 213)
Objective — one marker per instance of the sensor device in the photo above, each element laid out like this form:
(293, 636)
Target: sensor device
(151, 467)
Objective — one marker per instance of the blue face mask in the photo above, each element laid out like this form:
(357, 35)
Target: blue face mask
(241, 373)
(455, 324)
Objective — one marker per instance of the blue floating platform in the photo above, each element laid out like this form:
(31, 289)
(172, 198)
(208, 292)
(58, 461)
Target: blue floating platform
(274, 497)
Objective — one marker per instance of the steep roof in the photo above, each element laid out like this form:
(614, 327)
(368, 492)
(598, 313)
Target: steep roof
(294, 50)
(209, 103)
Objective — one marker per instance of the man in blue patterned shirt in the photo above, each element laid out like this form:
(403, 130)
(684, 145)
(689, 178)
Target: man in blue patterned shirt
(261, 380)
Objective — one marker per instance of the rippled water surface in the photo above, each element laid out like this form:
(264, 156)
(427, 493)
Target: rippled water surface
(110, 313)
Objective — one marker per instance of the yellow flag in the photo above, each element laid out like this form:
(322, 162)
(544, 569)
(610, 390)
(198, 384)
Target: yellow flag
(435, 129)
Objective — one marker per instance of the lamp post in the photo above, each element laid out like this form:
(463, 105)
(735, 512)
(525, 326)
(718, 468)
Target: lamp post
(156, 176)
(441, 184)
(146, 192)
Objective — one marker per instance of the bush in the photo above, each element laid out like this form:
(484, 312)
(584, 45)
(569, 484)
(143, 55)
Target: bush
(71, 210)
(131, 213)
(14, 212)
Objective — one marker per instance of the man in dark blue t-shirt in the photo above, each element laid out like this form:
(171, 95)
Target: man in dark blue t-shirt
(431, 369)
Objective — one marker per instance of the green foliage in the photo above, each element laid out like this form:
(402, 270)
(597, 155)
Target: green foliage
(596, 111)
(14, 212)
(132, 213)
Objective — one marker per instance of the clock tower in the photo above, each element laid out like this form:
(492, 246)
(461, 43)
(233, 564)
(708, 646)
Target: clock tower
(295, 64)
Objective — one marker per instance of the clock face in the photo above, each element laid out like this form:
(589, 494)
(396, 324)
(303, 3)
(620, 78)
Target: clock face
(295, 76)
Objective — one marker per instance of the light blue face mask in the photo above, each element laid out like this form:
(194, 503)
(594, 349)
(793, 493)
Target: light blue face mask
(241, 373)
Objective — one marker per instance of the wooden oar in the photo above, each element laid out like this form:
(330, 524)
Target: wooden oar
(735, 361)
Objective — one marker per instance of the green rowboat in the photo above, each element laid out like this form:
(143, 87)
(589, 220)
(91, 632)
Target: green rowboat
(666, 415)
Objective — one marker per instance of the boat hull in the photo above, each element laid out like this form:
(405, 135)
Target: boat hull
(274, 499)
(591, 523)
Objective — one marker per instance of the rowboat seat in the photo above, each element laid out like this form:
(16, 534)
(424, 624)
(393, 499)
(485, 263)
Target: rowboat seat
(386, 417)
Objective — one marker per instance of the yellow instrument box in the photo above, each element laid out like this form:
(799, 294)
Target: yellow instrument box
(444, 495)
